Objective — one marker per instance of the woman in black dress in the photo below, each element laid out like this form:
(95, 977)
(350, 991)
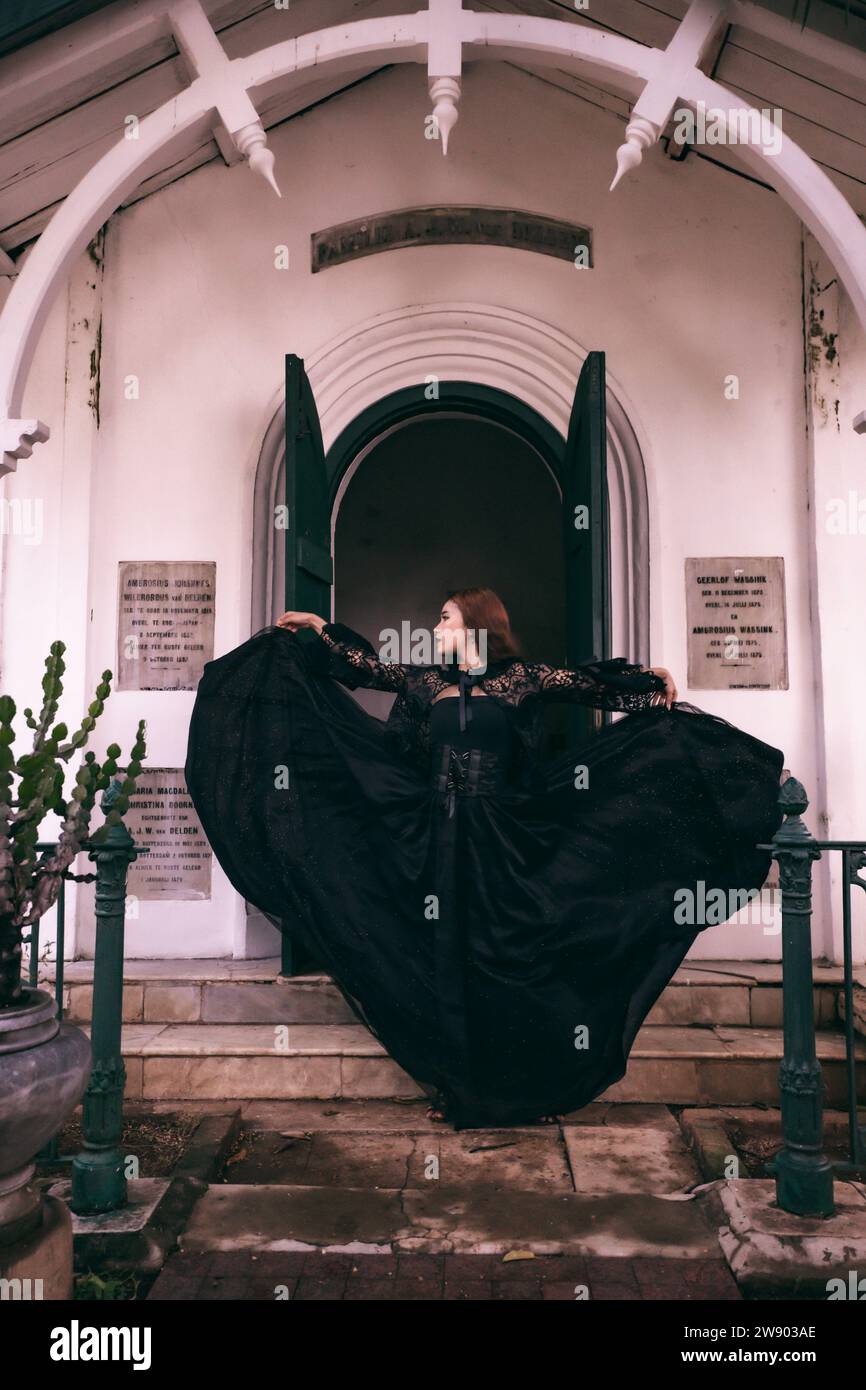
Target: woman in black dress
(501, 924)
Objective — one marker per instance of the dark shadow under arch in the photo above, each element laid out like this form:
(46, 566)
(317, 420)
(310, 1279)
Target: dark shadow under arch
(461, 397)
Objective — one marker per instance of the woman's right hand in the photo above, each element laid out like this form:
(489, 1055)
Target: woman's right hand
(670, 692)
(295, 621)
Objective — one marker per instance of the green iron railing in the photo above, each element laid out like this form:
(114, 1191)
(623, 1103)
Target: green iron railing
(804, 1174)
(98, 1177)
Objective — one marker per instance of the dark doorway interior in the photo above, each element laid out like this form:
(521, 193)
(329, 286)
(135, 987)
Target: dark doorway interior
(445, 502)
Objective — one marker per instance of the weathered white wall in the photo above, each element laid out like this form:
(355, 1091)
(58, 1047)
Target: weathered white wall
(697, 276)
(46, 543)
(836, 364)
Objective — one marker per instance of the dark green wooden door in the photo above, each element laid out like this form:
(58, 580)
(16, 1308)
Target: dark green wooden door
(309, 569)
(586, 528)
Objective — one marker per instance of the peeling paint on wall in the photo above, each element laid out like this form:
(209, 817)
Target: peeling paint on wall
(95, 365)
(822, 347)
(96, 248)
(96, 252)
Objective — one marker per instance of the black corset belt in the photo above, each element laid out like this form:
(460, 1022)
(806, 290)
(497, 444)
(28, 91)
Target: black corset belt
(469, 772)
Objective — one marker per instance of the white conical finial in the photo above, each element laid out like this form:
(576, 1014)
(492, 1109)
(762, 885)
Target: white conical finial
(628, 157)
(262, 161)
(445, 94)
(639, 135)
(252, 143)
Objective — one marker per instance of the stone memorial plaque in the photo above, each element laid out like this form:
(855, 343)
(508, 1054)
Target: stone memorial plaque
(165, 617)
(735, 612)
(161, 815)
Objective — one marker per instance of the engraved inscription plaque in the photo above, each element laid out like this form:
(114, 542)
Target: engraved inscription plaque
(434, 226)
(165, 623)
(735, 611)
(161, 815)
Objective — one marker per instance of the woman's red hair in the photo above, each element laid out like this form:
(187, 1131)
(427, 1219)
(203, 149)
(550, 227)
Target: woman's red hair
(484, 609)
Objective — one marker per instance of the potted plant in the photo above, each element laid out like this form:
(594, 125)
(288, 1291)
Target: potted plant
(44, 1063)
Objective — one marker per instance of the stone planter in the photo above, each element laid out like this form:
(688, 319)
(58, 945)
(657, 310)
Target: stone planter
(44, 1069)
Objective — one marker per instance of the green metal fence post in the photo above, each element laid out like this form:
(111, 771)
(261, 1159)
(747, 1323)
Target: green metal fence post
(804, 1175)
(98, 1179)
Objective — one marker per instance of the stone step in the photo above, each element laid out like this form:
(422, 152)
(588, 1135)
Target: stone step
(311, 1196)
(284, 1217)
(374, 1144)
(378, 1177)
(719, 1065)
(767, 1249)
(703, 993)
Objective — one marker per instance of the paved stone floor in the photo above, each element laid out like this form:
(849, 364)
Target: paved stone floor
(244, 1275)
(370, 1200)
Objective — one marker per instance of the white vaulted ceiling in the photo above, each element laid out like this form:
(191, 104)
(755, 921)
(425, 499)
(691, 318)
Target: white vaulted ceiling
(64, 94)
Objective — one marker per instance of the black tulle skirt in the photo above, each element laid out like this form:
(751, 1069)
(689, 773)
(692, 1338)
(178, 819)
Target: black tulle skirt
(504, 955)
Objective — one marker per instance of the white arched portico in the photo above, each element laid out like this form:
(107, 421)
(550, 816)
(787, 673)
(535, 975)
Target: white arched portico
(222, 90)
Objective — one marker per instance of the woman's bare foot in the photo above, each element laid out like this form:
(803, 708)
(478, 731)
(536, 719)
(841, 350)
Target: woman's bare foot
(548, 1119)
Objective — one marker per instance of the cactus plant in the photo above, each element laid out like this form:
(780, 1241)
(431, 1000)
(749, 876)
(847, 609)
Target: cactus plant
(31, 787)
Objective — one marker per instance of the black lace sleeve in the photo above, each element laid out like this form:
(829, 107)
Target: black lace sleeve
(613, 684)
(354, 662)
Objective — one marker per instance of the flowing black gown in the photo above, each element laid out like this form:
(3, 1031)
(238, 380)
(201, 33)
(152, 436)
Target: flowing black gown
(501, 924)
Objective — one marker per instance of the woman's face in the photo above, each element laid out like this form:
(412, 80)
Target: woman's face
(450, 623)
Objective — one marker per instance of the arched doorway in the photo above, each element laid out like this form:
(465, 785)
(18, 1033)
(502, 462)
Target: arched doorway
(528, 434)
(442, 484)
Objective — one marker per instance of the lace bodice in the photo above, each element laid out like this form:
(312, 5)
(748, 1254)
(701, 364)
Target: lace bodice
(614, 684)
(519, 686)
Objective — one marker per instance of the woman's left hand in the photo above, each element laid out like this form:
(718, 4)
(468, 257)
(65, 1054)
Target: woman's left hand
(293, 621)
(669, 694)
